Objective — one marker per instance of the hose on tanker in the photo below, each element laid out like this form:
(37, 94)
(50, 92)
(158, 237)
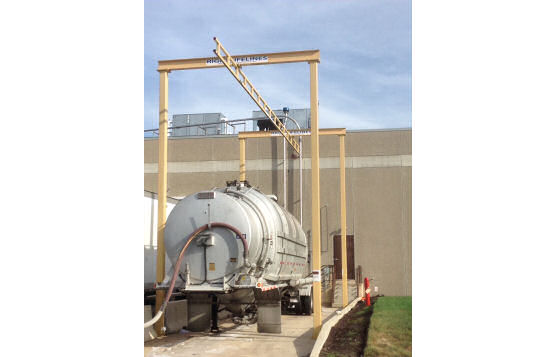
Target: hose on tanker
(180, 258)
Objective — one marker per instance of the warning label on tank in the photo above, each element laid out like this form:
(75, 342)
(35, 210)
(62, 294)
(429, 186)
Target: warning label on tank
(316, 275)
(212, 267)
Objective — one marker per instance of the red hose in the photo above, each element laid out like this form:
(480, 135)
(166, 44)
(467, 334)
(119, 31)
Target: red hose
(190, 239)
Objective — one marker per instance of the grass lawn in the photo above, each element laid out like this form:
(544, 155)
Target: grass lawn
(390, 328)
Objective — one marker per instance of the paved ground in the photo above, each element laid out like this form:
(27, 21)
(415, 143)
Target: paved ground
(243, 340)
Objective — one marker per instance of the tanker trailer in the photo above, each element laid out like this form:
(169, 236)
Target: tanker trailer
(235, 248)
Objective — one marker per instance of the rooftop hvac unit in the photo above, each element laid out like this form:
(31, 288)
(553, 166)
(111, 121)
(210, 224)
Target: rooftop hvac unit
(198, 124)
(301, 116)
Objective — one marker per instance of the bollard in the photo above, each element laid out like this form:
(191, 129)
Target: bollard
(367, 292)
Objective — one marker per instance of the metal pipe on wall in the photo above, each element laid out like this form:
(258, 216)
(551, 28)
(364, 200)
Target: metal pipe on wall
(301, 182)
(242, 168)
(285, 172)
(300, 170)
(343, 219)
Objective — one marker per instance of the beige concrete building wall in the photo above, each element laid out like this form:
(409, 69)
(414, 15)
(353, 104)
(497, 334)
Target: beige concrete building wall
(378, 190)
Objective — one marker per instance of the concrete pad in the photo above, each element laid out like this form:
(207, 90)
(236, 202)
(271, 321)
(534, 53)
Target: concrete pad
(243, 340)
(175, 316)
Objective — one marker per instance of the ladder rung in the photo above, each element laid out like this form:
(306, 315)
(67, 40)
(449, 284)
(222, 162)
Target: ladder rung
(229, 62)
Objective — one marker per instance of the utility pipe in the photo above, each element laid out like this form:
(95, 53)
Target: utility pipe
(343, 219)
(300, 171)
(242, 168)
(285, 173)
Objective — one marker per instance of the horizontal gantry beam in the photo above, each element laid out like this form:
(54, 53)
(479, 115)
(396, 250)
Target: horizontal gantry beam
(242, 60)
(297, 132)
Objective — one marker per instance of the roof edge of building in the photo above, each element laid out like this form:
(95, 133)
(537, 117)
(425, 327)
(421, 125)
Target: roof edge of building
(235, 135)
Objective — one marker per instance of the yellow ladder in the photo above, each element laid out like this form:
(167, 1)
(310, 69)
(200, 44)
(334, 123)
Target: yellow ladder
(238, 74)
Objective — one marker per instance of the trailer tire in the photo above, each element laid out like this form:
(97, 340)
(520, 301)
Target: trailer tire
(299, 307)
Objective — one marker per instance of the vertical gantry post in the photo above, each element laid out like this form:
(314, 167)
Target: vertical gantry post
(343, 219)
(315, 197)
(242, 173)
(162, 187)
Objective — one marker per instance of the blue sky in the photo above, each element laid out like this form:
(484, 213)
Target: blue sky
(364, 74)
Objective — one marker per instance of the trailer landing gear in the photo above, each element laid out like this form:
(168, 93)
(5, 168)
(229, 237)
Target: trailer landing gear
(214, 314)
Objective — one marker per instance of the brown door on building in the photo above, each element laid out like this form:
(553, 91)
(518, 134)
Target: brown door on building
(338, 257)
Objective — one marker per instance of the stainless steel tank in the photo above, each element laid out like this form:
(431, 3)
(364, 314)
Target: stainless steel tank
(271, 250)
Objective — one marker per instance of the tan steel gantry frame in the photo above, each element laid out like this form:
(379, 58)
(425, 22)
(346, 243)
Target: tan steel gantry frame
(164, 68)
(341, 132)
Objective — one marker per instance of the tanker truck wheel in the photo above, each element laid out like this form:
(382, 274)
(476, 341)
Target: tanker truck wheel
(299, 307)
(307, 303)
